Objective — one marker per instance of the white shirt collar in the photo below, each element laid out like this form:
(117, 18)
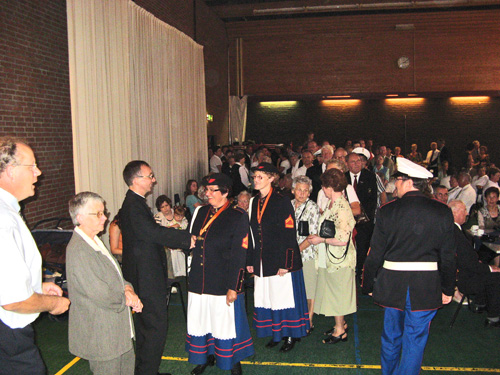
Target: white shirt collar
(98, 246)
(10, 200)
(138, 194)
(458, 225)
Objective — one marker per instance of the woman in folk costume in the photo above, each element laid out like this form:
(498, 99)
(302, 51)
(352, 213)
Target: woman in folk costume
(218, 330)
(280, 298)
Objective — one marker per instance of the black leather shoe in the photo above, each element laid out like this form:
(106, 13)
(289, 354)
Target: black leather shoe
(478, 309)
(236, 370)
(335, 339)
(272, 344)
(490, 323)
(200, 368)
(289, 344)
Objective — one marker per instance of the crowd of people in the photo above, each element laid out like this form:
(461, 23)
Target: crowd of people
(297, 221)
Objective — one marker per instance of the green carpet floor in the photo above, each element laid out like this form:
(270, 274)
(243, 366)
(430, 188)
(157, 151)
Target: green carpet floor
(468, 348)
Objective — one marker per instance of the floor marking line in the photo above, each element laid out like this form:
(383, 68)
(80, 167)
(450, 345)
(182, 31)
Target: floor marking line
(351, 366)
(68, 366)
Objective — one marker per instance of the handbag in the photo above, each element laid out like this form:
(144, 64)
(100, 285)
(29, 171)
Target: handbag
(303, 225)
(327, 229)
(362, 218)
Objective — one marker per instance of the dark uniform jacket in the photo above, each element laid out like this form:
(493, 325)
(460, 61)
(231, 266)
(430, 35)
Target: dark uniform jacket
(314, 173)
(144, 260)
(219, 258)
(470, 269)
(275, 238)
(411, 229)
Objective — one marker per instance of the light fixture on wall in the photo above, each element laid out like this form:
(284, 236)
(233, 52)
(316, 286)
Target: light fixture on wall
(470, 99)
(210, 118)
(276, 104)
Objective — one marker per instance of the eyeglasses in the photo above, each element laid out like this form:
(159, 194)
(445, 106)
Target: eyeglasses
(32, 166)
(98, 214)
(211, 190)
(151, 176)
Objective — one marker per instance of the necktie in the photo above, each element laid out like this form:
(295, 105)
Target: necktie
(355, 184)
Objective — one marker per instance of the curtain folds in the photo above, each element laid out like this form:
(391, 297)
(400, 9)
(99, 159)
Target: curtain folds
(137, 92)
(238, 117)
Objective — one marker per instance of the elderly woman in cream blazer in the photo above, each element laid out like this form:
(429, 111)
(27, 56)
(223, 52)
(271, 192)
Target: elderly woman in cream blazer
(100, 321)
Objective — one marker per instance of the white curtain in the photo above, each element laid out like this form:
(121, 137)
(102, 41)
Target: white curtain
(238, 117)
(137, 92)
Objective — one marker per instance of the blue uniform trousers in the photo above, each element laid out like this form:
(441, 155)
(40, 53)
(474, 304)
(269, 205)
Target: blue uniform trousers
(404, 338)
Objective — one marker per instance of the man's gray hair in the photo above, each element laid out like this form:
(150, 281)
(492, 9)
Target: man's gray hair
(8, 151)
(79, 201)
(302, 180)
(327, 147)
(456, 204)
(242, 193)
(339, 164)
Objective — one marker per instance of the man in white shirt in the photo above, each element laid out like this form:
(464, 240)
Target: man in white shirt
(432, 159)
(467, 195)
(215, 160)
(307, 160)
(22, 294)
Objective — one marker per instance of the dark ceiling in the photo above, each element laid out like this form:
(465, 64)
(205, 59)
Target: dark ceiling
(245, 10)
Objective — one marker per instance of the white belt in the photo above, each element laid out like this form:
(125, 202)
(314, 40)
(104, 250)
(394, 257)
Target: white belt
(410, 266)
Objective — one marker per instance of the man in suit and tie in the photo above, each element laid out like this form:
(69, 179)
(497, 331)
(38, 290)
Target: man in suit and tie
(145, 264)
(365, 184)
(315, 172)
(474, 277)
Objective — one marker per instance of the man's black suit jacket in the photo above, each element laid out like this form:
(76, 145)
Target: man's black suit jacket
(314, 173)
(469, 267)
(144, 259)
(366, 191)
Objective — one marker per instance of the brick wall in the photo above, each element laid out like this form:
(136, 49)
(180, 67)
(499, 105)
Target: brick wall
(357, 53)
(34, 88)
(387, 122)
(34, 97)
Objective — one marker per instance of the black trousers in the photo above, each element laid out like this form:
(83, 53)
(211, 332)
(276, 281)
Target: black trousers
(486, 290)
(18, 352)
(151, 334)
(363, 237)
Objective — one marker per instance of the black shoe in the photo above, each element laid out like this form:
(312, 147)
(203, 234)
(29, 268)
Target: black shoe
(272, 344)
(335, 339)
(289, 344)
(478, 309)
(236, 370)
(309, 331)
(200, 368)
(331, 330)
(491, 323)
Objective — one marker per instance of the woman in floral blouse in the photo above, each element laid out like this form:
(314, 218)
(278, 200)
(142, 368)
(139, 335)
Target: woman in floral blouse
(336, 288)
(306, 211)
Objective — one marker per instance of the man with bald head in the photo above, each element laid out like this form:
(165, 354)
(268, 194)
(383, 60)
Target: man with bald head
(340, 154)
(23, 296)
(475, 277)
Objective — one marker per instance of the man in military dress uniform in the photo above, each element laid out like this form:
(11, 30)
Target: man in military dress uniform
(218, 328)
(412, 235)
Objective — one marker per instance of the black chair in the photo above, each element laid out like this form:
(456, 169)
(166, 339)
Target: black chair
(179, 292)
(464, 296)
